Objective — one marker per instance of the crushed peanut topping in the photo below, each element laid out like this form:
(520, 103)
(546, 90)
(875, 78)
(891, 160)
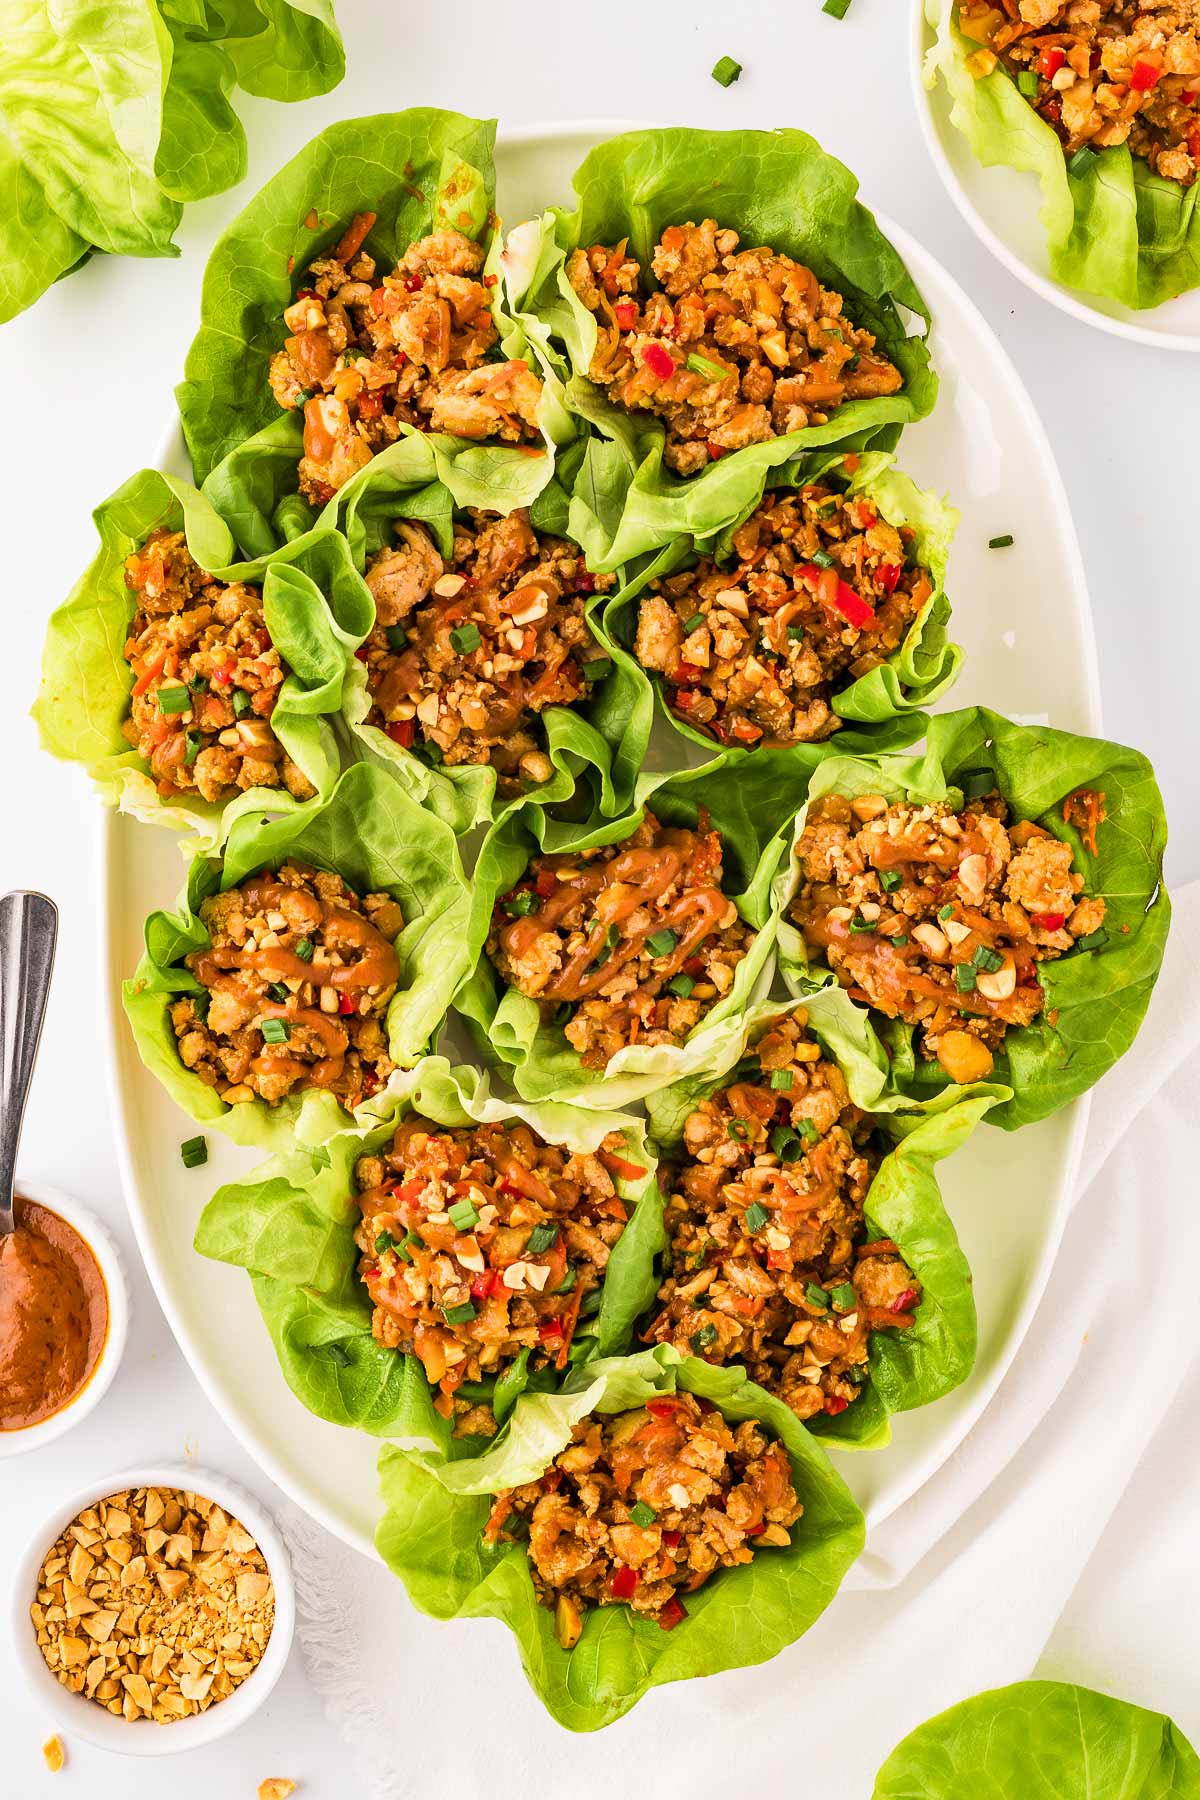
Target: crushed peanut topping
(465, 655)
(206, 679)
(155, 1603)
(54, 1754)
(770, 1263)
(820, 591)
(941, 917)
(734, 347)
(417, 347)
(276, 1787)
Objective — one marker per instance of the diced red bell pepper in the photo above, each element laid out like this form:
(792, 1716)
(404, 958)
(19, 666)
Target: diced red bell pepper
(624, 1171)
(672, 1540)
(1051, 61)
(346, 1005)
(688, 672)
(413, 283)
(625, 313)
(370, 405)
(745, 732)
(624, 1582)
(545, 883)
(401, 731)
(1053, 921)
(715, 451)
(661, 1409)
(384, 301)
(549, 1328)
(755, 1530)
(489, 281)
(485, 1285)
(659, 361)
(694, 966)
(552, 1479)
(853, 607)
(835, 1404)
(1193, 141)
(684, 699)
(361, 653)
(585, 582)
(408, 1191)
(904, 1301)
(673, 1613)
(1143, 77)
(887, 575)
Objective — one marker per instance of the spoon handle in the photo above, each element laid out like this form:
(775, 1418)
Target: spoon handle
(28, 930)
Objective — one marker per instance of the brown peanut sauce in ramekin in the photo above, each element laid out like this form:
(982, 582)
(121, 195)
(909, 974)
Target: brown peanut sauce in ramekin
(53, 1316)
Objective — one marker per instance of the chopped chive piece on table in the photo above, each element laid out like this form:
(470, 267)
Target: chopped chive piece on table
(837, 9)
(644, 1515)
(275, 1031)
(193, 1152)
(542, 1237)
(174, 700)
(756, 1216)
(782, 1079)
(465, 638)
(1000, 543)
(661, 943)
(459, 1315)
(462, 1215)
(726, 71)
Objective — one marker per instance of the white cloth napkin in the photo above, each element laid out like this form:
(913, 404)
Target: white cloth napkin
(1042, 1544)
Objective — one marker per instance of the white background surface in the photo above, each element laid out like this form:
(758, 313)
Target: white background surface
(86, 380)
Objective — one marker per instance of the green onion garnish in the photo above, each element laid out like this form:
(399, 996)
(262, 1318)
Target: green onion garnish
(1081, 162)
(726, 72)
(857, 924)
(844, 1298)
(459, 1315)
(397, 637)
(795, 632)
(747, 1069)
(781, 1137)
(542, 1237)
(1027, 82)
(700, 1340)
(808, 1131)
(782, 1079)
(964, 976)
(568, 1280)
(947, 911)
(339, 1354)
(641, 1514)
(837, 9)
(900, 941)
(198, 684)
(519, 906)
(756, 1216)
(561, 1013)
(278, 992)
(693, 624)
(304, 949)
(661, 943)
(1000, 543)
(597, 669)
(430, 752)
(1093, 941)
(975, 783)
(193, 1152)
(241, 703)
(463, 1215)
(465, 638)
(890, 879)
(987, 959)
(738, 1129)
(816, 1296)
(275, 1031)
(304, 396)
(174, 700)
(822, 559)
(385, 1242)
(711, 371)
(193, 745)
(681, 985)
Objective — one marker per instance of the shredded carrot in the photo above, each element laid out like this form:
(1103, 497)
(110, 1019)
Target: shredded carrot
(1085, 810)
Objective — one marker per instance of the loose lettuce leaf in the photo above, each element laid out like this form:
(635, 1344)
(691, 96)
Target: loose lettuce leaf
(418, 171)
(608, 733)
(918, 673)
(291, 1225)
(1095, 999)
(778, 188)
(743, 805)
(314, 604)
(1113, 228)
(431, 1536)
(378, 840)
(1043, 1740)
(911, 1367)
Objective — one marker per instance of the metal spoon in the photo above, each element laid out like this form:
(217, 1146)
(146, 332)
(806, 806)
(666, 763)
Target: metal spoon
(28, 931)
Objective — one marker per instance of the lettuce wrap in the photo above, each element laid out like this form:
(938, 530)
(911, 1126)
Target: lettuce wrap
(608, 733)
(917, 674)
(291, 1225)
(418, 171)
(1114, 229)
(774, 188)
(1095, 998)
(744, 807)
(376, 838)
(911, 1367)
(431, 1536)
(1043, 1740)
(312, 600)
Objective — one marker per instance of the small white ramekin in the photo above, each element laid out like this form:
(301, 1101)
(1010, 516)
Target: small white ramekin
(103, 1247)
(78, 1717)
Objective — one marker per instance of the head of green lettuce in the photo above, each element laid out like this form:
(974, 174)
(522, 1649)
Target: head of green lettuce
(314, 606)
(1095, 996)
(431, 1535)
(775, 188)
(378, 840)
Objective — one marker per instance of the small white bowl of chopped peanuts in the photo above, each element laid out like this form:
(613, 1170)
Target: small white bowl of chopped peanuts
(154, 1611)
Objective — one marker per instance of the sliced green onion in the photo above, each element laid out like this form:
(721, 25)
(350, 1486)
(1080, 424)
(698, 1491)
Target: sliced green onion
(822, 559)
(661, 943)
(782, 1080)
(397, 637)
(542, 1237)
(278, 992)
(808, 1131)
(465, 638)
(781, 1137)
(385, 1242)
(561, 1013)
(700, 1340)
(174, 700)
(304, 396)
(681, 985)
(726, 72)
(339, 1354)
(693, 624)
(1027, 82)
(568, 1281)
(890, 879)
(275, 1031)
(1093, 941)
(844, 1298)
(738, 1129)
(1001, 543)
(756, 1216)
(837, 9)
(947, 911)
(459, 1315)
(641, 1514)
(816, 1296)
(964, 976)
(796, 633)
(193, 1152)
(241, 703)
(304, 949)
(857, 924)
(597, 669)
(1081, 162)
(984, 958)
(198, 684)
(711, 371)
(193, 745)
(431, 753)
(900, 940)
(748, 1069)
(975, 783)
(519, 906)
(463, 1215)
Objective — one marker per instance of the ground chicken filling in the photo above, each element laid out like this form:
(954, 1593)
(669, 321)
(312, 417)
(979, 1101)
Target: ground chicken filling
(206, 679)
(628, 944)
(941, 917)
(296, 984)
(771, 1262)
(643, 1506)
(417, 347)
(1102, 72)
(466, 654)
(734, 347)
(821, 591)
(482, 1246)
